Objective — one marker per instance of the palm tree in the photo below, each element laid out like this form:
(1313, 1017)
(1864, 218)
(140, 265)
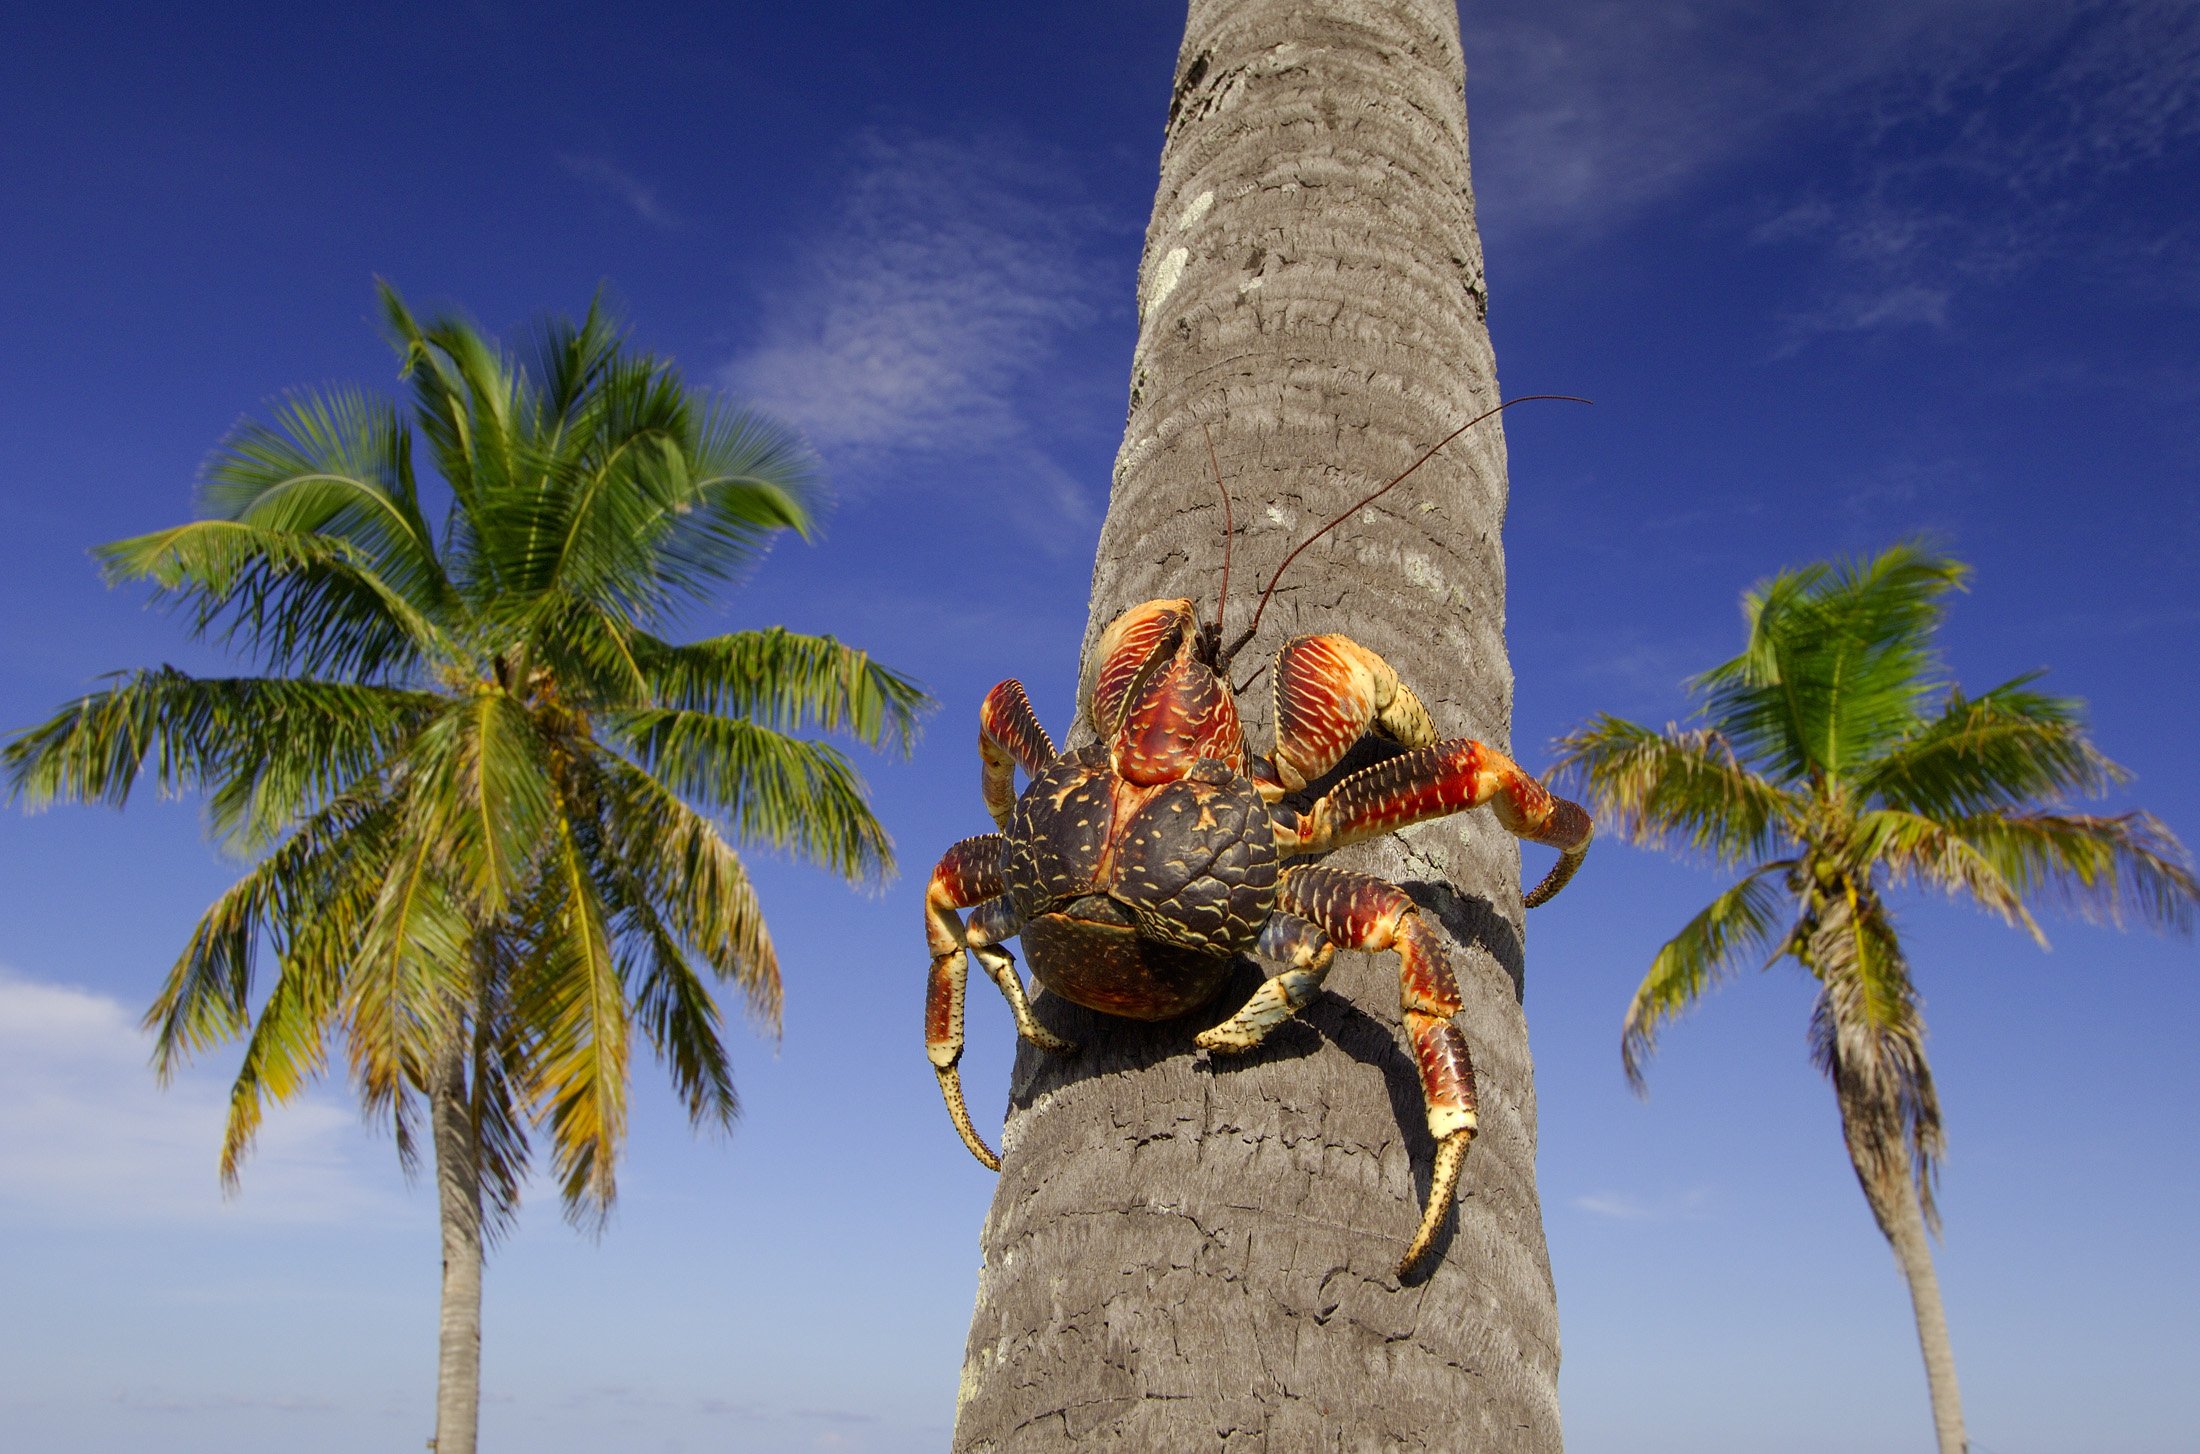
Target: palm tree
(1178, 1248)
(490, 802)
(1835, 764)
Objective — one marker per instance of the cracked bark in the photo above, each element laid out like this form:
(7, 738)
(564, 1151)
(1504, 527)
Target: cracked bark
(1187, 1253)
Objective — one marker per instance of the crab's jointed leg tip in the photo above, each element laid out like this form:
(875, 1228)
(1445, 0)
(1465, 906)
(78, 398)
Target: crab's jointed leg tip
(1451, 1155)
(1556, 879)
(951, 1088)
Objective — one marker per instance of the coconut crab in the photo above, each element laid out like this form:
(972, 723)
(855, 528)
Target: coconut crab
(1137, 867)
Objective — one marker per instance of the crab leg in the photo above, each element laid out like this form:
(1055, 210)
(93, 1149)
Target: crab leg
(1009, 736)
(1330, 692)
(1358, 911)
(970, 873)
(1308, 951)
(1432, 781)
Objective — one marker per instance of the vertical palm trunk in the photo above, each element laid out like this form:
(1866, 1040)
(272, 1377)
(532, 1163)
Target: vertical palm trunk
(1891, 1189)
(1185, 1253)
(458, 1196)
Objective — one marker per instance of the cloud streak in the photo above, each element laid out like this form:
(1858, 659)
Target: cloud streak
(615, 181)
(1952, 144)
(919, 322)
(89, 1136)
(1615, 1206)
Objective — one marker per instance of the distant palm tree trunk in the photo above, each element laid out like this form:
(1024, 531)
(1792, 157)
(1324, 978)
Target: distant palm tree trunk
(1186, 1254)
(1891, 1190)
(458, 1193)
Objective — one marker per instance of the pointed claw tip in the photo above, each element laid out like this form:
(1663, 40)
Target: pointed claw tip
(1451, 1155)
(1556, 879)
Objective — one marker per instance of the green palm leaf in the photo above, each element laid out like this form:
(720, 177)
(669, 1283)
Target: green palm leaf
(1838, 661)
(1748, 921)
(795, 795)
(787, 682)
(1683, 790)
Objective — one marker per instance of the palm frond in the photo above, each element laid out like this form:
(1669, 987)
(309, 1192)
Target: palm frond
(795, 795)
(286, 1052)
(1838, 660)
(2106, 869)
(299, 602)
(788, 682)
(481, 791)
(574, 996)
(506, 1052)
(270, 749)
(1676, 789)
(2003, 749)
(1916, 850)
(691, 876)
(675, 1008)
(335, 464)
(1868, 1036)
(411, 980)
(1747, 921)
(303, 897)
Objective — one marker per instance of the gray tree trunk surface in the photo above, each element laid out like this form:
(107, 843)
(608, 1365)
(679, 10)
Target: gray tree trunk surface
(1901, 1219)
(1188, 1253)
(458, 1197)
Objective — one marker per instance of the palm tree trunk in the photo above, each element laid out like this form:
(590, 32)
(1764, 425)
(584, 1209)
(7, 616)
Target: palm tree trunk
(1912, 1252)
(458, 1195)
(1183, 1252)
(1890, 1187)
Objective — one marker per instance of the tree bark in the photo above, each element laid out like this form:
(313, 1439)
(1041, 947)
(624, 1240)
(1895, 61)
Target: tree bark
(1892, 1196)
(1191, 1253)
(458, 1196)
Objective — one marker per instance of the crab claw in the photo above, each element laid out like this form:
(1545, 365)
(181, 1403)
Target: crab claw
(1443, 1184)
(1569, 830)
(951, 1087)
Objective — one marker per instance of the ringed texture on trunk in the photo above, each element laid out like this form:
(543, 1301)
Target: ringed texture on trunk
(1193, 1253)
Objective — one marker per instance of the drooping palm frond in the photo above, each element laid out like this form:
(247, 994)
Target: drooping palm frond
(1918, 851)
(298, 602)
(573, 993)
(304, 898)
(2109, 869)
(785, 681)
(1748, 921)
(480, 790)
(2005, 748)
(691, 875)
(1868, 1036)
(1676, 789)
(796, 795)
(1839, 659)
(267, 749)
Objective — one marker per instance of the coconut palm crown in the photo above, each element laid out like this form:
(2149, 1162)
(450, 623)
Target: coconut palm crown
(491, 806)
(1834, 763)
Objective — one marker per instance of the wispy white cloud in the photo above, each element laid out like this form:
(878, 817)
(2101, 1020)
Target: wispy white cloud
(1688, 1206)
(1955, 142)
(87, 1135)
(919, 321)
(604, 174)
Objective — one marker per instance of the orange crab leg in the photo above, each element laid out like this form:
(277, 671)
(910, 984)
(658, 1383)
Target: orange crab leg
(1429, 782)
(1330, 692)
(1358, 911)
(1308, 951)
(970, 874)
(1009, 736)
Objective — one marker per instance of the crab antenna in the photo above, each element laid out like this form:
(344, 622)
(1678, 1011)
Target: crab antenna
(1233, 648)
(1222, 597)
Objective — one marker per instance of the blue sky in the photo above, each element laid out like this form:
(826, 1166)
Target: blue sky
(1835, 274)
